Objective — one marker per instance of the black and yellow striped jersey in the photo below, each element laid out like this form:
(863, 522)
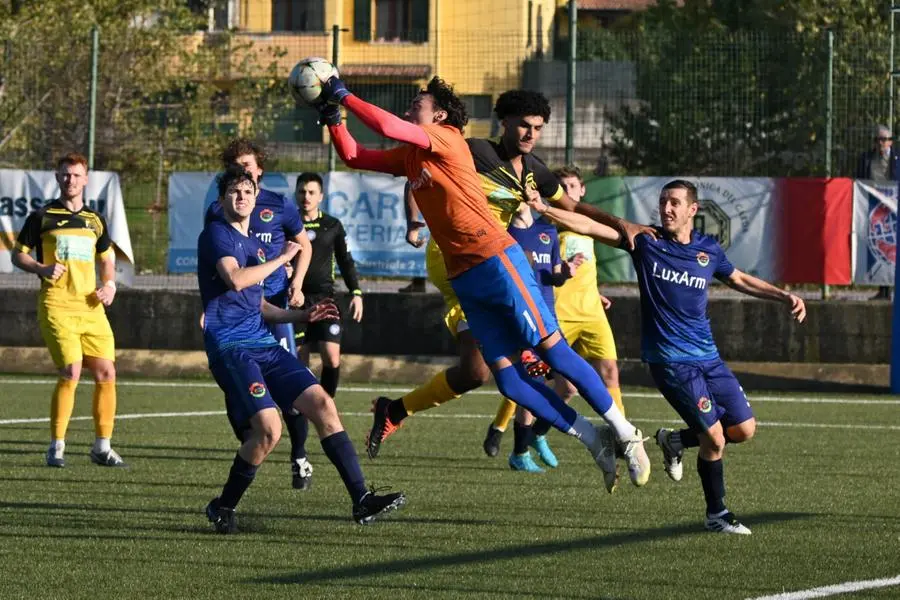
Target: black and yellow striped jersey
(73, 239)
(504, 190)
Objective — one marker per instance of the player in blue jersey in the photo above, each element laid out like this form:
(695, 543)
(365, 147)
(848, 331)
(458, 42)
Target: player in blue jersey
(540, 241)
(255, 372)
(275, 220)
(676, 340)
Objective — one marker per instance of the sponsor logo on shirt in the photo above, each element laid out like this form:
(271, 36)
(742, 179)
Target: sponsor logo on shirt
(702, 259)
(257, 390)
(704, 404)
(266, 215)
(545, 238)
(678, 277)
(75, 247)
(541, 258)
(265, 238)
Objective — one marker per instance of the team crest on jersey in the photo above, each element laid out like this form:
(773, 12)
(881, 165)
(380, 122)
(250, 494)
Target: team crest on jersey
(257, 390)
(310, 234)
(702, 259)
(266, 215)
(704, 404)
(260, 255)
(545, 238)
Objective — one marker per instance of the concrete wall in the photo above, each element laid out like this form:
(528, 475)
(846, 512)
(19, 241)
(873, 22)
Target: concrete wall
(412, 325)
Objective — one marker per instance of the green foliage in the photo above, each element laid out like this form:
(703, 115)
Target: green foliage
(165, 90)
(738, 87)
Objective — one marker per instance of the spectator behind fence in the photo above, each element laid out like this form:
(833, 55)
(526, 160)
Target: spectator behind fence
(880, 164)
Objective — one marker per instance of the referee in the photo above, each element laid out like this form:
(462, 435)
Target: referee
(329, 247)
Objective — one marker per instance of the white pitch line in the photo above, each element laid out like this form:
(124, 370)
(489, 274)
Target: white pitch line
(832, 590)
(847, 400)
(209, 413)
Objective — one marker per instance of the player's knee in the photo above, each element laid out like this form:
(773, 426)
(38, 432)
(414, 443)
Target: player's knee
(742, 432)
(105, 372)
(713, 444)
(609, 373)
(476, 373)
(269, 436)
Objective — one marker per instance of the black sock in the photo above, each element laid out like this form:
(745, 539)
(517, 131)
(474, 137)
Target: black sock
(298, 429)
(396, 411)
(712, 477)
(522, 437)
(329, 379)
(688, 438)
(541, 427)
(340, 451)
(239, 479)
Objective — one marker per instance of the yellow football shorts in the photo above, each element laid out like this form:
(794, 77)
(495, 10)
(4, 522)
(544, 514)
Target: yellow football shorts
(71, 336)
(454, 318)
(592, 340)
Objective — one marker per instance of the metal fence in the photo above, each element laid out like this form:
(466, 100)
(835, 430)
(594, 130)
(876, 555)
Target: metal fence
(751, 104)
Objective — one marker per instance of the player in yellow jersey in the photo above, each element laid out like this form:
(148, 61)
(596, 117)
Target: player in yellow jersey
(507, 169)
(580, 307)
(67, 239)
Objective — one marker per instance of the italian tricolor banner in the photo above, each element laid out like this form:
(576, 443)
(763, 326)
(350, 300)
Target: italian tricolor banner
(796, 230)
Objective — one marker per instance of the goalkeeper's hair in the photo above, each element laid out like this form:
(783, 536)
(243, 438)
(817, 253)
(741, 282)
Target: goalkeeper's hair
(241, 147)
(682, 184)
(233, 175)
(446, 99)
(522, 103)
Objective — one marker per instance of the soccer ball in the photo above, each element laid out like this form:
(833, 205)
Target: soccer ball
(307, 77)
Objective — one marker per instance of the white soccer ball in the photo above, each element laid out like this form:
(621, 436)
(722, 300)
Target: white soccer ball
(307, 77)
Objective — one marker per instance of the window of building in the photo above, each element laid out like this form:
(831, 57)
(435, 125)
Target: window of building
(394, 20)
(298, 15)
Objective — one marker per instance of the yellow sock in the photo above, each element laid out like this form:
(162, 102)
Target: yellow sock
(61, 405)
(616, 394)
(104, 408)
(505, 412)
(434, 393)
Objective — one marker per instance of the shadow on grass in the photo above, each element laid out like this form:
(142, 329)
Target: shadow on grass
(405, 566)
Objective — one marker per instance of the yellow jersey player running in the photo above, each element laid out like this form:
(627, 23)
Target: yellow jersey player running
(507, 170)
(67, 238)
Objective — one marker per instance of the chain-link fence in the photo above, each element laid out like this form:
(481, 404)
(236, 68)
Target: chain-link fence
(649, 103)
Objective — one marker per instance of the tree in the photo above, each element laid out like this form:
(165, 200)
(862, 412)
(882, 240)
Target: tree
(737, 87)
(163, 87)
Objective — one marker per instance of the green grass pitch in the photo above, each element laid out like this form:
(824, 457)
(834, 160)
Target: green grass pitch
(819, 486)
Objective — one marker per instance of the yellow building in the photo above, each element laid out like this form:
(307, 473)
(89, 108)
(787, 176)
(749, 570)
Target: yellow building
(389, 48)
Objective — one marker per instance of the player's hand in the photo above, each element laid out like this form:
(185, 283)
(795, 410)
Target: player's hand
(334, 91)
(412, 234)
(631, 230)
(798, 307)
(53, 272)
(533, 200)
(320, 311)
(295, 293)
(606, 302)
(573, 263)
(329, 114)
(533, 364)
(356, 308)
(106, 294)
(289, 251)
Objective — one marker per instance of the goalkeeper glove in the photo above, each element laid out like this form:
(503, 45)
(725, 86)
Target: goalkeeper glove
(329, 114)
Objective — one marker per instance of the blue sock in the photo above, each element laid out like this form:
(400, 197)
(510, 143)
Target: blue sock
(298, 429)
(340, 451)
(239, 479)
(712, 477)
(567, 363)
(515, 383)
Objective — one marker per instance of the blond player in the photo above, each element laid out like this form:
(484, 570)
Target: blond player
(67, 239)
